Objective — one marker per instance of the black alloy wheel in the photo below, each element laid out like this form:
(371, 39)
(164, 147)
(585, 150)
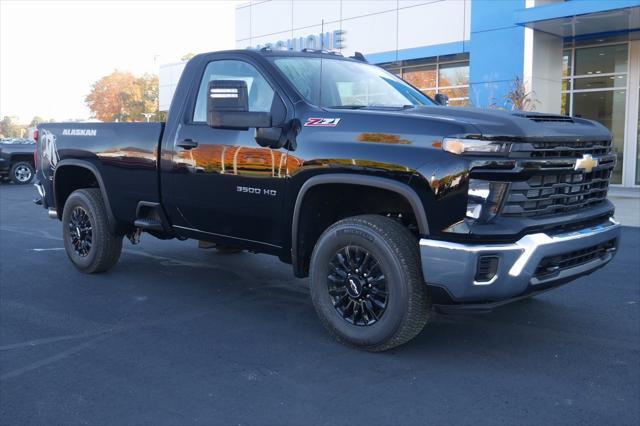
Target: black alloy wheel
(80, 231)
(366, 282)
(357, 286)
(90, 242)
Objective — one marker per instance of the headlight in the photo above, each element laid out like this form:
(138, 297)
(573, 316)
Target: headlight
(473, 146)
(484, 199)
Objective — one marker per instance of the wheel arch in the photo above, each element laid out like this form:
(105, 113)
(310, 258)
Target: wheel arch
(62, 189)
(404, 191)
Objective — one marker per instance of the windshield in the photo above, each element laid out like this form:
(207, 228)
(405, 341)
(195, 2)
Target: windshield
(348, 84)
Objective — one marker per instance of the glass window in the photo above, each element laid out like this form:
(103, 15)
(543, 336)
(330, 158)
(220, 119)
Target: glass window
(260, 92)
(456, 92)
(395, 71)
(347, 83)
(594, 87)
(453, 75)
(459, 102)
(421, 77)
(601, 59)
(564, 106)
(638, 149)
(607, 107)
(601, 82)
(442, 74)
(566, 63)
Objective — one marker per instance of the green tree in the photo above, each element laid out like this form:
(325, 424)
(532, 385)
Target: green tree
(9, 128)
(149, 87)
(187, 56)
(36, 120)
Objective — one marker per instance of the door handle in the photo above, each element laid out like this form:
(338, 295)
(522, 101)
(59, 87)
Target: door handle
(187, 144)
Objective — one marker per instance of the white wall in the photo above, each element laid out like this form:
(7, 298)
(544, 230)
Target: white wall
(169, 77)
(374, 26)
(370, 26)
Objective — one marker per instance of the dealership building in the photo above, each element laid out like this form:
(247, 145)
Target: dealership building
(575, 57)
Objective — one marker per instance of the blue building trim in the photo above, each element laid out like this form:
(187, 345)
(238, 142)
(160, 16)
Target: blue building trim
(496, 51)
(419, 52)
(569, 8)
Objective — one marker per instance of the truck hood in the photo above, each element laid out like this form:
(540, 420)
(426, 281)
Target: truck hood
(514, 124)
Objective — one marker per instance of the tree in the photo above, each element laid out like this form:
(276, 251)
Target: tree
(187, 56)
(9, 128)
(149, 91)
(36, 120)
(120, 96)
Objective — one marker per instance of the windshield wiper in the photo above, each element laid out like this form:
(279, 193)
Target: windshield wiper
(381, 106)
(348, 106)
(391, 106)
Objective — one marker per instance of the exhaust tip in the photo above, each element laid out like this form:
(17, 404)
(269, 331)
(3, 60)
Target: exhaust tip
(53, 214)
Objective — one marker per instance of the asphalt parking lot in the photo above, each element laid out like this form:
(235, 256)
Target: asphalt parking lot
(177, 335)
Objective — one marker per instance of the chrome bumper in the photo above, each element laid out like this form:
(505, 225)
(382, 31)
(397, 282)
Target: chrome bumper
(453, 265)
(40, 189)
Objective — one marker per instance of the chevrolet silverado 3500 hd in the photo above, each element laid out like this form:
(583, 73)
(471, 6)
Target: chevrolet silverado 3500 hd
(390, 202)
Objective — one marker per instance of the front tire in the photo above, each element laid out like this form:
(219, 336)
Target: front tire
(90, 244)
(22, 173)
(366, 283)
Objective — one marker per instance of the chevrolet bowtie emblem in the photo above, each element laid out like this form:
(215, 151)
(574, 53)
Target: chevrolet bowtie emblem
(586, 163)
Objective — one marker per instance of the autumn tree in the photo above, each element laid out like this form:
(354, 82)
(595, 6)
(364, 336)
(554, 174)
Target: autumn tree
(121, 96)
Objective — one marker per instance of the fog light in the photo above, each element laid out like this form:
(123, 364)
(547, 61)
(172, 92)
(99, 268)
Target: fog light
(487, 268)
(484, 199)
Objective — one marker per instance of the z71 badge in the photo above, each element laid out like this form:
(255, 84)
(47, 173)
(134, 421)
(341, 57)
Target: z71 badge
(322, 122)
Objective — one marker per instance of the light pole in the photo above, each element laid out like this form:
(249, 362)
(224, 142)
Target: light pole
(148, 115)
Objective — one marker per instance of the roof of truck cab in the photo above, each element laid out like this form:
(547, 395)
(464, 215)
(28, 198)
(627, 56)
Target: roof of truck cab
(271, 53)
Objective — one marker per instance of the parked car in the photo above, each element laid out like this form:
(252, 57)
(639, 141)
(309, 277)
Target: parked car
(390, 202)
(16, 160)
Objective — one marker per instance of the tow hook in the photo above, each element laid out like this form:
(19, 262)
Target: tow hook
(134, 236)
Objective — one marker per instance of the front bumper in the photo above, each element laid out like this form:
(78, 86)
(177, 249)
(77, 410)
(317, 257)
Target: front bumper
(453, 266)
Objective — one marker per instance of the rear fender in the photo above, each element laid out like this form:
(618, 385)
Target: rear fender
(59, 203)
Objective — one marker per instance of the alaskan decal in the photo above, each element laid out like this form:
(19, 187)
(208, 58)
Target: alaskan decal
(321, 122)
(49, 153)
(79, 132)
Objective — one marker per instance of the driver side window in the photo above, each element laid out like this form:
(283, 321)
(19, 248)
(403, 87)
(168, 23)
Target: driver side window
(260, 92)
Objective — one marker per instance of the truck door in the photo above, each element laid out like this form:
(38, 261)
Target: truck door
(224, 186)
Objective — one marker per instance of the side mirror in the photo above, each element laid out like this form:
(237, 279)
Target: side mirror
(442, 99)
(228, 107)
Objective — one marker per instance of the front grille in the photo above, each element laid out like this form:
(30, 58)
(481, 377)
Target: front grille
(556, 193)
(575, 149)
(553, 185)
(551, 265)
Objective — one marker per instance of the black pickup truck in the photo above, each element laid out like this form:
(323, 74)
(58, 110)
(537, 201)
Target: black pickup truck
(391, 203)
(16, 160)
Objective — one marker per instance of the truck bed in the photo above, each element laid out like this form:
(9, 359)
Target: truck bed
(124, 154)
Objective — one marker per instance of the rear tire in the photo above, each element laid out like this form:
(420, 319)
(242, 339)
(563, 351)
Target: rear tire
(89, 242)
(389, 302)
(22, 173)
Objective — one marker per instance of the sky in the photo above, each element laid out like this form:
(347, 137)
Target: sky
(51, 52)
